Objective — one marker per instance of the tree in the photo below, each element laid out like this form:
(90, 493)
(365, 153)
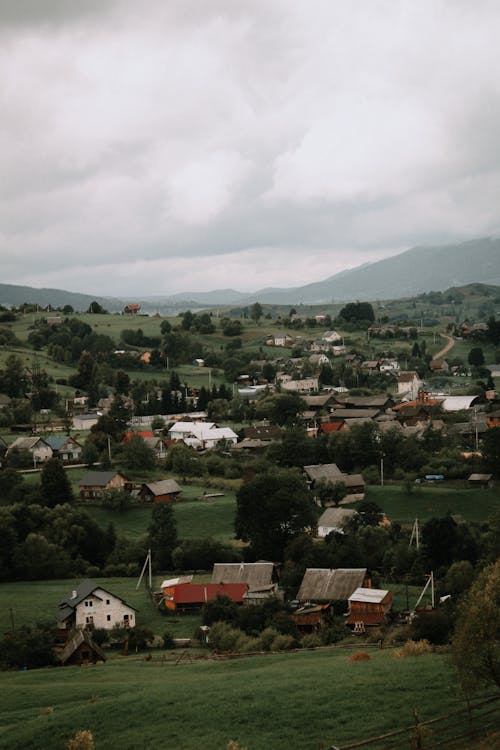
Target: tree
(96, 309)
(476, 357)
(55, 487)
(477, 633)
(256, 311)
(273, 509)
(281, 408)
(331, 493)
(491, 449)
(137, 454)
(162, 535)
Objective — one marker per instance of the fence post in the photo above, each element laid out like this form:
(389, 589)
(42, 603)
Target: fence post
(419, 741)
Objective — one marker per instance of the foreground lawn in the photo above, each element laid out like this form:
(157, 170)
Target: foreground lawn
(279, 701)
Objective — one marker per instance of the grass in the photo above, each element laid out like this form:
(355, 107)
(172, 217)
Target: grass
(279, 701)
(20, 600)
(428, 502)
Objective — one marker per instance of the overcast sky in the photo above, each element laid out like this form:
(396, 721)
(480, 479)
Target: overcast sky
(175, 145)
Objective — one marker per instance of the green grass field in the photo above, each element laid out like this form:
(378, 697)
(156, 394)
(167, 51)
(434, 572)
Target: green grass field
(279, 701)
(427, 502)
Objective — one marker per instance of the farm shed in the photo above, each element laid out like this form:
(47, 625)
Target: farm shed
(80, 650)
(312, 617)
(37, 446)
(330, 584)
(260, 577)
(481, 480)
(369, 606)
(95, 483)
(165, 491)
(186, 595)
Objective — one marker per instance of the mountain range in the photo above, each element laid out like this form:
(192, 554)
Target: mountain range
(418, 270)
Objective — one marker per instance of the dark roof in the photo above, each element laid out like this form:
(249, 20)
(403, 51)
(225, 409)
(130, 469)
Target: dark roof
(97, 478)
(164, 487)
(263, 432)
(331, 472)
(255, 574)
(78, 594)
(79, 637)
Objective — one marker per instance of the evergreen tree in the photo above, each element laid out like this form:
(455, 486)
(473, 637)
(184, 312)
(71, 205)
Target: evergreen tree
(162, 537)
(55, 487)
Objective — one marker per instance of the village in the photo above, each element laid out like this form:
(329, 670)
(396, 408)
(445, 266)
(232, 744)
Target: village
(274, 494)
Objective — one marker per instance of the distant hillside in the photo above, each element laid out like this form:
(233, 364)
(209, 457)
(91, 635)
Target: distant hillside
(419, 270)
(13, 295)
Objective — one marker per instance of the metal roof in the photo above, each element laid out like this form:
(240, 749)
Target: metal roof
(323, 584)
(368, 596)
(255, 574)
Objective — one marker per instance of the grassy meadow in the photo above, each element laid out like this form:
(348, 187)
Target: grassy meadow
(297, 700)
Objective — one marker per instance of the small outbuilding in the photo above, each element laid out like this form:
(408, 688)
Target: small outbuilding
(481, 480)
(94, 484)
(80, 650)
(165, 491)
(368, 607)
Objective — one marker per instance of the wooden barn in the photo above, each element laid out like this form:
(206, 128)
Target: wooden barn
(330, 584)
(165, 491)
(369, 607)
(80, 650)
(259, 576)
(312, 617)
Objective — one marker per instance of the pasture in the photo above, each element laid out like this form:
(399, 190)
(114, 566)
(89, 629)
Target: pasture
(279, 701)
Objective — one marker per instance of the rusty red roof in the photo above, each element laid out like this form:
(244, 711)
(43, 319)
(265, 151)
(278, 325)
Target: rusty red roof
(199, 593)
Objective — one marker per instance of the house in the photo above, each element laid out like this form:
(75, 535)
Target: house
(280, 339)
(368, 606)
(184, 595)
(335, 520)
(89, 605)
(338, 350)
(318, 360)
(409, 384)
(439, 366)
(155, 443)
(80, 650)
(201, 435)
(330, 584)
(165, 491)
(263, 432)
(332, 337)
(65, 448)
(84, 421)
(37, 446)
(320, 345)
(354, 483)
(306, 385)
(323, 402)
(132, 309)
(94, 484)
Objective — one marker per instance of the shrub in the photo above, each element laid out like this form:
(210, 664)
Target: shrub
(168, 639)
(284, 642)
(223, 637)
(266, 638)
(435, 627)
(82, 740)
(311, 640)
(413, 648)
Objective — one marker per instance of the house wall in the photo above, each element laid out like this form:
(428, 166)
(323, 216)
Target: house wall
(104, 612)
(42, 452)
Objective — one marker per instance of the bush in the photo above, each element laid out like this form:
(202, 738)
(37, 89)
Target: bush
(335, 633)
(435, 627)
(168, 639)
(223, 637)
(413, 648)
(311, 640)
(266, 639)
(284, 642)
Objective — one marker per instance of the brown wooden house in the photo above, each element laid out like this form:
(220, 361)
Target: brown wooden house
(80, 650)
(312, 617)
(94, 484)
(166, 491)
(368, 607)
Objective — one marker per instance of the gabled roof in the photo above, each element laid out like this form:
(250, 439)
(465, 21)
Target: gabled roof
(27, 443)
(80, 592)
(255, 574)
(98, 478)
(330, 472)
(324, 584)
(263, 432)
(163, 487)
(368, 596)
(336, 517)
(79, 637)
(56, 443)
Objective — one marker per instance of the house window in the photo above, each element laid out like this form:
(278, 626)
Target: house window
(108, 601)
(108, 618)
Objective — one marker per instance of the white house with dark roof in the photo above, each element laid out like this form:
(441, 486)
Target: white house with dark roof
(37, 446)
(89, 605)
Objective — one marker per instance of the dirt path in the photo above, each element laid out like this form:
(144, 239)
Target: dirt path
(442, 352)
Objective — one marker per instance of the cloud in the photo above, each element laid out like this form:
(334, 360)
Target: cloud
(246, 145)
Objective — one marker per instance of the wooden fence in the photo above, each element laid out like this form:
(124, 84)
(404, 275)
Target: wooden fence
(473, 721)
